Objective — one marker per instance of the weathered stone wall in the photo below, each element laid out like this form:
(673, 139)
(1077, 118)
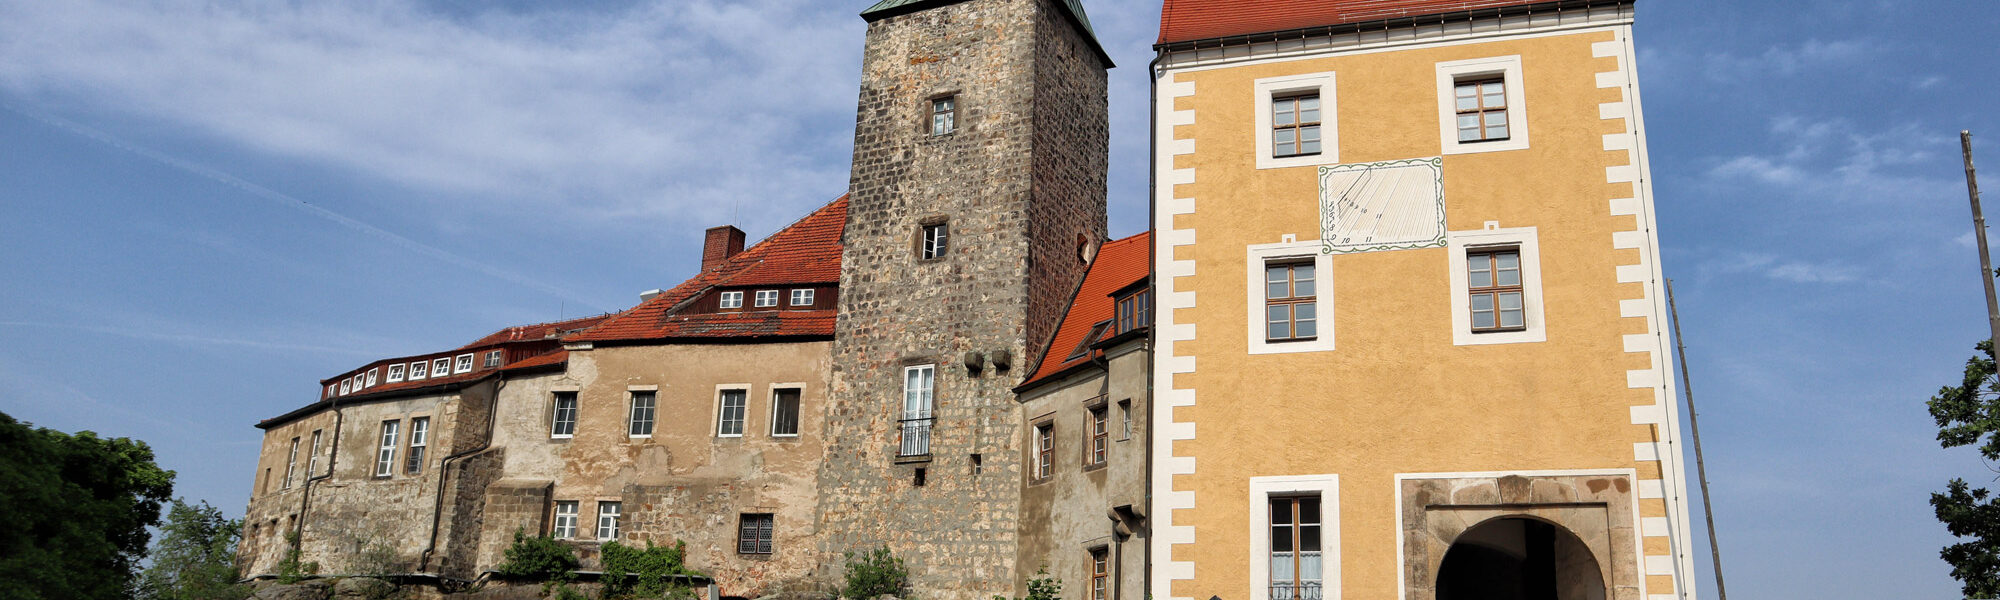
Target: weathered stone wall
(465, 513)
(1018, 185)
(1067, 515)
(510, 505)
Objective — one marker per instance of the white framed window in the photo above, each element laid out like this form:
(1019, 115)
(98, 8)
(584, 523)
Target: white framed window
(933, 241)
(802, 297)
(441, 367)
(312, 456)
(730, 300)
(731, 404)
(385, 455)
(607, 519)
(1297, 121)
(563, 527)
(372, 374)
(1295, 258)
(464, 364)
(291, 463)
(346, 386)
(767, 298)
(639, 421)
(395, 373)
(944, 115)
(1468, 88)
(419, 370)
(1294, 549)
(493, 358)
(1481, 314)
(420, 439)
(784, 412)
(562, 419)
(919, 399)
(331, 389)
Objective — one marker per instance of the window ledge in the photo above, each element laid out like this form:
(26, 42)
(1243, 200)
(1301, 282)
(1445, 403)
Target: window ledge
(918, 458)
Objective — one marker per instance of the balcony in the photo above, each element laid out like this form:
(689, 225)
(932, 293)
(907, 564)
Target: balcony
(916, 437)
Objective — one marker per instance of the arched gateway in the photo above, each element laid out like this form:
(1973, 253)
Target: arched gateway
(1519, 558)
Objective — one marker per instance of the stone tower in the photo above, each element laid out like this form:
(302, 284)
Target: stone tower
(978, 191)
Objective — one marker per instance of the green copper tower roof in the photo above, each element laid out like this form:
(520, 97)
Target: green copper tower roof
(889, 8)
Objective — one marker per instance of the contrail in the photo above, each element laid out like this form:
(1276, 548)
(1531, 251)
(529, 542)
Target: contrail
(187, 339)
(302, 205)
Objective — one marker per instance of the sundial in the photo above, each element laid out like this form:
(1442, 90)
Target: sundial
(1390, 205)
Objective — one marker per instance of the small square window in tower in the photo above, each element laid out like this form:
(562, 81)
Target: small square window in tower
(944, 115)
(1295, 125)
(933, 242)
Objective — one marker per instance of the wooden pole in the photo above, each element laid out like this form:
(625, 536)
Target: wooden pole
(1694, 426)
(1979, 231)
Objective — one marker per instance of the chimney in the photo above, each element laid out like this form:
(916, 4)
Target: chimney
(723, 242)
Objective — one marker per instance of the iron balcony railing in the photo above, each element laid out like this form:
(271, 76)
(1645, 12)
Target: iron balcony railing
(916, 436)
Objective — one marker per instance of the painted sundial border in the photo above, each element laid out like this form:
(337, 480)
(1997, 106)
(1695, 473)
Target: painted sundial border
(1326, 212)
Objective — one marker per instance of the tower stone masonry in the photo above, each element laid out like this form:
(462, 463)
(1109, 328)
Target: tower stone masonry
(1018, 184)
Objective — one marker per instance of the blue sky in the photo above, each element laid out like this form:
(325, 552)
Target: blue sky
(210, 205)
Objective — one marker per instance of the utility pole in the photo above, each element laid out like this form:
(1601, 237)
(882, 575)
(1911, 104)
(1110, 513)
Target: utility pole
(1979, 230)
(1694, 426)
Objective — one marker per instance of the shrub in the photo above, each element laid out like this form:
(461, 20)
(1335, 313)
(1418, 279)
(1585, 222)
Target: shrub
(539, 558)
(874, 574)
(653, 571)
(290, 570)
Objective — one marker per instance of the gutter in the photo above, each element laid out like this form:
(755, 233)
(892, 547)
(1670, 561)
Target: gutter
(332, 460)
(1153, 279)
(444, 469)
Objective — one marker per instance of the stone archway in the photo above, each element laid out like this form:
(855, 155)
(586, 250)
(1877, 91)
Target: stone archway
(1594, 513)
(1518, 558)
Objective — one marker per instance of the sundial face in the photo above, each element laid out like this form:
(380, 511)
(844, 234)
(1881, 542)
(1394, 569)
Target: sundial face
(1392, 205)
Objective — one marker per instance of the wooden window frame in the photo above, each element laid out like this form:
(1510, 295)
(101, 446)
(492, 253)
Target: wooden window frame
(757, 299)
(1097, 430)
(1292, 300)
(495, 358)
(1479, 83)
(1298, 124)
(1295, 527)
(1491, 255)
(943, 115)
(757, 532)
(1100, 573)
(1045, 451)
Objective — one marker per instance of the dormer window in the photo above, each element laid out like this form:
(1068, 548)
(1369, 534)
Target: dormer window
(395, 373)
(766, 298)
(1135, 310)
(346, 386)
(441, 367)
(1083, 347)
(419, 370)
(464, 364)
(802, 297)
(372, 374)
(493, 359)
(731, 300)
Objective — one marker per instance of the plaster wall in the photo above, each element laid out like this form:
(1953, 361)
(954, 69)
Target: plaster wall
(1076, 509)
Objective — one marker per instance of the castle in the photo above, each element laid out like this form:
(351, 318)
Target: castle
(952, 361)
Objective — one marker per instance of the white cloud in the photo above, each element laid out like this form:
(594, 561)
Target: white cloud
(1831, 160)
(666, 108)
(1780, 269)
(1785, 60)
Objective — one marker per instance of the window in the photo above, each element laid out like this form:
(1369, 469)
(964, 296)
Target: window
(731, 300)
(919, 386)
(1295, 548)
(785, 412)
(1100, 572)
(1290, 310)
(291, 462)
(564, 526)
(395, 373)
(1083, 345)
(331, 390)
(464, 364)
(767, 298)
(975, 463)
(607, 520)
(1125, 413)
(1482, 109)
(493, 358)
(754, 535)
(563, 423)
(1045, 450)
(1100, 437)
(1493, 282)
(729, 416)
(420, 437)
(934, 241)
(944, 115)
(385, 455)
(640, 424)
(1135, 310)
(312, 456)
(419, 370)
(441, 367)
(1295, 125)
(346, 386)
(372, 373)
(802, 297)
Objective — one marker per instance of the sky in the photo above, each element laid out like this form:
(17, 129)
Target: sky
(208, 206)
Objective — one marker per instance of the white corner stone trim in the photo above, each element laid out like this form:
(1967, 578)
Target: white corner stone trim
(1168, 333)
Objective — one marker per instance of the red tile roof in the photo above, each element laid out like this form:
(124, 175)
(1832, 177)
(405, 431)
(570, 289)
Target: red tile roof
(537, 331)
(1189, 20)
(806, 252)
(1119, 264)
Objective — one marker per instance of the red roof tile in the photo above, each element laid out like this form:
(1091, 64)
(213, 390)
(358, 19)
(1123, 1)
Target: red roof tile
(537, 331)
(1119, 264)
(807, 252)
(1189, 20)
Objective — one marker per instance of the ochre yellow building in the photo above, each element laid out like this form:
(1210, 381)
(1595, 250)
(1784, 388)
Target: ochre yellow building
(1410, 316)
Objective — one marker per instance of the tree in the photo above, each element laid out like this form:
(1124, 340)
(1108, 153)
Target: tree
(195, 558)
(1969, 414)
(74, 511)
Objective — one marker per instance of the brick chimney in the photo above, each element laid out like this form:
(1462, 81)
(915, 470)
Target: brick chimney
(722, 242)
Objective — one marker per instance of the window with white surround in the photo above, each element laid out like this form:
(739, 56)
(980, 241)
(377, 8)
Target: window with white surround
(331, 390)
(802, 297)
(420, 439)
(395, 373)
(291, 462)
(785, 412)
(1496, 286)
(1297, 124)
(607, 519)
(493, 358)
(372, 374)
(562, 420)
(730, 407)
(1290, 287)
(419, 370)
(1295, 537)
(730, 300)
(1481, 106)
(464, 364)
(640, 423)
(563, 527)
(767, 298)
(385, 455)
(346, 386)
(312, 457)
(441, 367)
(919, 398)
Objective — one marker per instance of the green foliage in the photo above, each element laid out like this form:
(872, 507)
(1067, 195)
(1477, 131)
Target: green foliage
(654, 571)
(195, 558)
(290, 570)
(1041, 587)
(538, 558)
(874, 574)
(74, 511)
(1969, 414)
(376, 558)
